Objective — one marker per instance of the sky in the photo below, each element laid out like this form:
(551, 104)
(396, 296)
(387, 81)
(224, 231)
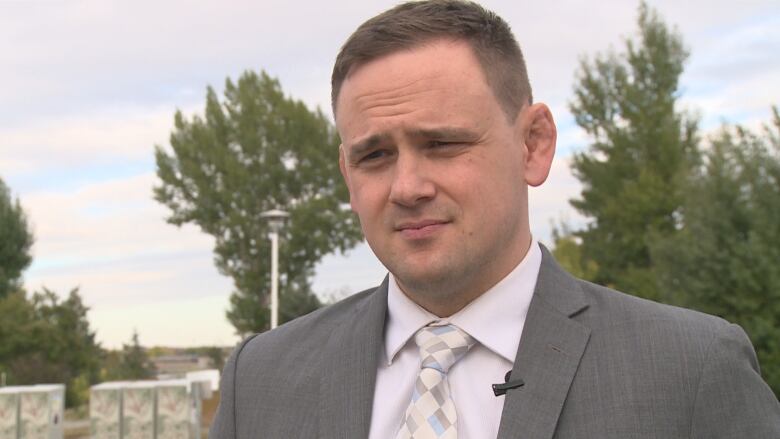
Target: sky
(90, 87)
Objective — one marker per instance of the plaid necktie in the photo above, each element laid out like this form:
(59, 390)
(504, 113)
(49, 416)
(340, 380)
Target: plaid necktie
(431, 414)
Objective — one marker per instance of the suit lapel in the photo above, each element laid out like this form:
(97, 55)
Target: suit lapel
(349, 369)
(548, 355)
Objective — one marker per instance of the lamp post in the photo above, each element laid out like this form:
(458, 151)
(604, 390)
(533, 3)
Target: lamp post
(276, 220)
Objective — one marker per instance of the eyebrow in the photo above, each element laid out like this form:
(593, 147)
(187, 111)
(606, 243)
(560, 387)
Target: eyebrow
(361, 147)
(445, 133)
(356, 150)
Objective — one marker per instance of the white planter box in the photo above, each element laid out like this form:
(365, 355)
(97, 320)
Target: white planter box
(32, 412)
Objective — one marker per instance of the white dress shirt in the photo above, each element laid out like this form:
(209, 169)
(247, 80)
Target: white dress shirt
(495, 319)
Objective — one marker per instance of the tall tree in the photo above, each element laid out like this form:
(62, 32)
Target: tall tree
(44, 339)
(642, 149)
(217, 356)
(567, 249)
(724, 260)
(134, 363)
(15, 242)
(254, 151)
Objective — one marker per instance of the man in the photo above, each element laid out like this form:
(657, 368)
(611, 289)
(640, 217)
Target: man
(441, 140)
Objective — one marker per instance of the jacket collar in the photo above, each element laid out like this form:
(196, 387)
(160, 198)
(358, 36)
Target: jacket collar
(548, 355)
(349, 369)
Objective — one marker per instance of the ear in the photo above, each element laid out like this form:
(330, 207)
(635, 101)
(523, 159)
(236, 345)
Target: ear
(344, 174)
(539, 136)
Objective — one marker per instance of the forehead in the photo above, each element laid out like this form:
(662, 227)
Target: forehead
(431, 83)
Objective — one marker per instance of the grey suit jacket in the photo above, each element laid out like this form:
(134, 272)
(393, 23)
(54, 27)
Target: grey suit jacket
(596, 364)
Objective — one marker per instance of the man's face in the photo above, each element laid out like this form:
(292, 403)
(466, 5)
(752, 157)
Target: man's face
(435, 171)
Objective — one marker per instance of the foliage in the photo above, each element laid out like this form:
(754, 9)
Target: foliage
(254, 151)
(641, 152)
(47, 340)
(133, 362)
(567, 251)
(668, 221)
(15, 242)
(110, 364)
(724, 260)
(217, 356)
(43, 339)
(295, 301)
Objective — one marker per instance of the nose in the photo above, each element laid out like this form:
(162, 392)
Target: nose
(412, 183)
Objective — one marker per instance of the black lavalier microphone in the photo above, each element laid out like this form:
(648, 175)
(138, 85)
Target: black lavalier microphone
(500, 389)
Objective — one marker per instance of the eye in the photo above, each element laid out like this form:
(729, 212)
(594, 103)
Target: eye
(447, 147)
(373, 155)
(374, 158)
(447, 144)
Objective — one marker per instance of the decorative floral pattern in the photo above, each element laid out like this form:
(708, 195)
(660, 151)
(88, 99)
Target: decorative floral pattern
(104, 413)
(138, 419)
(173, 420)
(9, 405)
(146, 410)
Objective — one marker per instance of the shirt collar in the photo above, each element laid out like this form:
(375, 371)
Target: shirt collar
(495, 319)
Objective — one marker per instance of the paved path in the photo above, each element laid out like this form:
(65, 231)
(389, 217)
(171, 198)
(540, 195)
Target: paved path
(77, 429)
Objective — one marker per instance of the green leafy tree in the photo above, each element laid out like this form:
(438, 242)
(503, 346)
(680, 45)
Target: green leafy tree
(20, 331)
(642, 149)
(217, 356)
(15, 242)
(43, 339)
(47, 340)
(253, 151)
(567, 251)
(110, 365)
(134, 362)
(724, 260)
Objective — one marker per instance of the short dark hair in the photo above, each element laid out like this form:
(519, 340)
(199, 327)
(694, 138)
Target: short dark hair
(414, 23)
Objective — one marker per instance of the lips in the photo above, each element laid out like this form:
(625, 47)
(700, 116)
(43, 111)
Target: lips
(420, 229)
(418, 224)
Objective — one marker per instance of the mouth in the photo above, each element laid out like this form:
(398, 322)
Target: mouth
(420, 229)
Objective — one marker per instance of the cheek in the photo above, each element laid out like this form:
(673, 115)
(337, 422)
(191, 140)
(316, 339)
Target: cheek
(489, 191)
(366, 201)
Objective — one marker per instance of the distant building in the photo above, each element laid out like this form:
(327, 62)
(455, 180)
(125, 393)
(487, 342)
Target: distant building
(179, 365)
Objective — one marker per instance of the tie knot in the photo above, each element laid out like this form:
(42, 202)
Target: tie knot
(442, 345)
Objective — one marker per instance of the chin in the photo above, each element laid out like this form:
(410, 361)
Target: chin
(427, 280)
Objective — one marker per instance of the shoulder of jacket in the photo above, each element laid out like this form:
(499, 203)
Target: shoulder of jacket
(617, 308)
(309, 329)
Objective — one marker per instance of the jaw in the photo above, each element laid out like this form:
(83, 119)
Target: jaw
(438, 283)
(443, 279)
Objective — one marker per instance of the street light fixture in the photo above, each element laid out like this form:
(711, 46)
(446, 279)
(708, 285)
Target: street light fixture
(276, 219)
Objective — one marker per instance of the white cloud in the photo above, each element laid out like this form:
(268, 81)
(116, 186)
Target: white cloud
(183, 322)
(111, 240)
(113, 217)
(83, 140)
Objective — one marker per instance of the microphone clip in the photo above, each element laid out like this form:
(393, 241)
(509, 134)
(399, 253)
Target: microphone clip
(501, 389)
